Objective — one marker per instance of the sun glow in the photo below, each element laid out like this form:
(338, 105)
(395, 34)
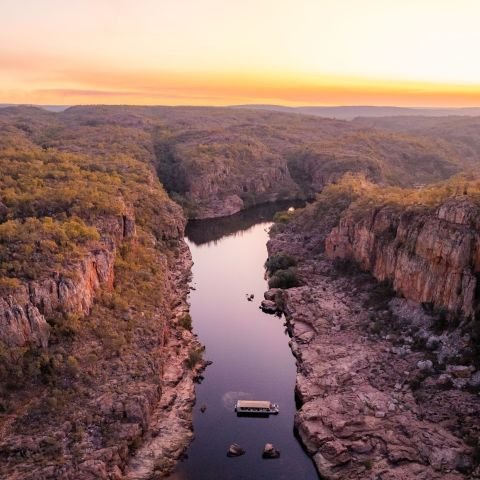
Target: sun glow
(221, 52)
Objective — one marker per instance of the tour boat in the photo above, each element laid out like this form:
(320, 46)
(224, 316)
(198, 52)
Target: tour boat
(256, 407)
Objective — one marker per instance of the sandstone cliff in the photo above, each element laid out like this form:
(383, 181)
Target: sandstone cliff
(224, 174)
(387, 388)
(23, 313)
(428, 256)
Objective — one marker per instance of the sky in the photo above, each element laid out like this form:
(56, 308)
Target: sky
(223, 52)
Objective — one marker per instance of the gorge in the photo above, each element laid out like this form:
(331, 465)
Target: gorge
(98, 344)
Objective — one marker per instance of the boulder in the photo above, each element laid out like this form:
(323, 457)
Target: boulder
(432, 342)
(425, 365)
(235, 450)
(271, 294)
(93, 469)
(444, 380)
(268, 306)
(460, 371)
(474, 382)
(269, 451)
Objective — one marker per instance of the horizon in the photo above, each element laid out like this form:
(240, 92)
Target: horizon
(313, 53)
(245, 105)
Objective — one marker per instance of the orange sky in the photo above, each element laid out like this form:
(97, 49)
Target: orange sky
(220, 52)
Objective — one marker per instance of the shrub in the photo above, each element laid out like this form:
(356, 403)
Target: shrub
(72, 365)
(284, 279)
(185, 321)
(194, 357)
(441, 320)
(64, 324)
(8, 285)
(368, 463)
(282, 217)
(279, 262)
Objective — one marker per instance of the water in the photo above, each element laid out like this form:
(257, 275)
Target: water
(250, 354)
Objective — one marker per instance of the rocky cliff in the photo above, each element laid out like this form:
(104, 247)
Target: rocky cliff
(224, 174)
(429, 256)
(217, 162)
(23, 312)
(97, 361)
(388, 385)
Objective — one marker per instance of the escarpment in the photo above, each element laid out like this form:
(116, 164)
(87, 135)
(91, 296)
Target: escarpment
(431, 256)
(22, 314)
(24, 311)
(388, 386)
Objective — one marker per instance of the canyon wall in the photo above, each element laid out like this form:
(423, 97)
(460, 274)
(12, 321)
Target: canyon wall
(23, 312)
(387, 388)
(430, 256)
(224, 175)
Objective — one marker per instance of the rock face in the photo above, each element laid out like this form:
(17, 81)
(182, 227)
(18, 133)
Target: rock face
(223, 173)
(22, 314)
(429, 257)
(212, 206)
(150, 408)
(170, 426)
(224, 192)
(22, 323)
(373, 406)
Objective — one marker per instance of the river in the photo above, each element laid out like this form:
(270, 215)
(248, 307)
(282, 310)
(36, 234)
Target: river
(250, 354)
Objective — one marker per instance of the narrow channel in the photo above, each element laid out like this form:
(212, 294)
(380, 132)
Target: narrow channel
(250, 354)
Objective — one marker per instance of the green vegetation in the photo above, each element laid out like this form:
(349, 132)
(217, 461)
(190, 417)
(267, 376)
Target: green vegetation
(355, 195)
(194, 358)
(279, 262)
(282, 272)
(287, 278)
(283, 217)
(368, 463)
(185, 321)
(66, 190)
(31, 247)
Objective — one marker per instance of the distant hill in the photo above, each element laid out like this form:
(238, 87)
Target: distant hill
(340, 112)
(50, 108)
(351, 112)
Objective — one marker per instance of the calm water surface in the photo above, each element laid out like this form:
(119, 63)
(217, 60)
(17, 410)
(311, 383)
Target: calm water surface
(250, 354)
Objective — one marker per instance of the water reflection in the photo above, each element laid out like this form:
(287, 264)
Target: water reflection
(211, 230)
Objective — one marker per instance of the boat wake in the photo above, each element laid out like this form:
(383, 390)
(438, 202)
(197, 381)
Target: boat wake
(229, 399)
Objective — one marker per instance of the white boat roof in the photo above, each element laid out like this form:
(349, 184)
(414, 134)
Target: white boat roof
(253, 404)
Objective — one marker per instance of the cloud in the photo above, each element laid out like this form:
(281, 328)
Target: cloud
(36, 78)
(86, 93)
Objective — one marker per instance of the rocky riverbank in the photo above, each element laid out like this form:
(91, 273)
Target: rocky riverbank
(384, 394)
(170, 430)
(128, 415)
(97, 358)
